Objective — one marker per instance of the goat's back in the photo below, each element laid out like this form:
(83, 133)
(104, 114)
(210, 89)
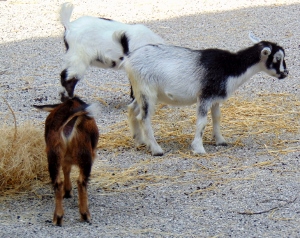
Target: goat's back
(70, 129)
(173, 72)
(93, 37)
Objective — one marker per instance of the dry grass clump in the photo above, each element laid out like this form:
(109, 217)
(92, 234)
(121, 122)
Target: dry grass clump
(23, 159)
(268, 119)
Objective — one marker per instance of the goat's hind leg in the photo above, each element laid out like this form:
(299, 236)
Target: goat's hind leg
(67, 181)
(85, 167)
(54, 168)
(134, 124)
(216, 116)
(83, 199)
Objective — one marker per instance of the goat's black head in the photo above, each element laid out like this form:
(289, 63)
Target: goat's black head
(68, 84)
(272, 55)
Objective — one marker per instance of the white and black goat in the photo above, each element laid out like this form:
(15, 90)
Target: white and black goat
(71, 136)
(91, 41)
(181, 76)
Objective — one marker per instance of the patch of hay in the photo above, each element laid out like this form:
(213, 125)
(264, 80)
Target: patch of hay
(118, 180)
(266, 119)
(269, 120)
(23, 161)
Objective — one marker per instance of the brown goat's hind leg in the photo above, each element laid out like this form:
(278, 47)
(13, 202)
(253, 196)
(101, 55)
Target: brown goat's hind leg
(85, 166)
(59, 211)
(54, 168)
(83, 199)
(67, 181)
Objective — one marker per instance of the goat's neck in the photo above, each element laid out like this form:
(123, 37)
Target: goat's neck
(235, 81)
(247, 63)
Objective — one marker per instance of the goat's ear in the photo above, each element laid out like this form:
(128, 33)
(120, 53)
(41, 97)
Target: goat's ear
(46, 108)
(253, 38)
(266, 51)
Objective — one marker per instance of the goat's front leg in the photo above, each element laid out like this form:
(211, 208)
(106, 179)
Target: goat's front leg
(146, 109)
(202, 109)
(54, 167)
(216, 116)
(134, 124)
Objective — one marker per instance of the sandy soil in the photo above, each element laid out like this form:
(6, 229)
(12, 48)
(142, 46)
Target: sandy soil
(243, 190)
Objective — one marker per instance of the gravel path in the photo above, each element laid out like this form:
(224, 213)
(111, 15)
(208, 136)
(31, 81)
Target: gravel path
(243, 191)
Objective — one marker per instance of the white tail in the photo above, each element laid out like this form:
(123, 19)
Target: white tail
(93, 110)
(65, 13)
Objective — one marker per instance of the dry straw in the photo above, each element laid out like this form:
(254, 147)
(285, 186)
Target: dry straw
(266, 119)
(270, 120)
(23, 161)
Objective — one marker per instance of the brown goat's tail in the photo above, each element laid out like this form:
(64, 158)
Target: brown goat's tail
(73, 119)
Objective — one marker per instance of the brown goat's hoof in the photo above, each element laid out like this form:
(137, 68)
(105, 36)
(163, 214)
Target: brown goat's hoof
(86, 217)
(58, 220)
(68, 194)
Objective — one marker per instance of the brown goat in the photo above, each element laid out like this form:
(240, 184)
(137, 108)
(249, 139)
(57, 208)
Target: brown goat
(71, 136)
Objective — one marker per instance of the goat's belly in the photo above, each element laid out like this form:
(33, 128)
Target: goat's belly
(176, 99)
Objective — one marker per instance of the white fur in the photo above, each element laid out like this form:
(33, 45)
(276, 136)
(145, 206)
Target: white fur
(279, 56)
(93, 110)
(91, 38)
(234, 82)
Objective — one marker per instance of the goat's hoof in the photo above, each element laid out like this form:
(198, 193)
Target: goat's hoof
(57, 220)
(85, 217)
(198, 149)
(68, 194)
(222, 144)
(138, 141)
(220, 140)
(158, 154)
(157, 151)
(200, 152)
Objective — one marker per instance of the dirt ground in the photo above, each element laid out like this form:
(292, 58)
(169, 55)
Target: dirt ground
(247, 189)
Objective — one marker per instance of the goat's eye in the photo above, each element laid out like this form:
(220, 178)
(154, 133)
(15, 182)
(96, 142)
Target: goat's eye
(278, 58)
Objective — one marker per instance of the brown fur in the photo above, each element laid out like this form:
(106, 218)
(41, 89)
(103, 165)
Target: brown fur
(71, 139)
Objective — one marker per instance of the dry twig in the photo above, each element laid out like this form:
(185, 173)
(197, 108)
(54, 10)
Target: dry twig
(268, 210)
